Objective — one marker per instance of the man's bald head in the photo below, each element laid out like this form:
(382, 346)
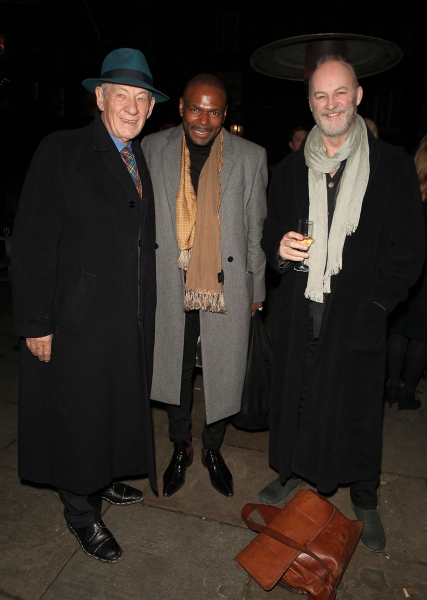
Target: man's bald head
(337, 58)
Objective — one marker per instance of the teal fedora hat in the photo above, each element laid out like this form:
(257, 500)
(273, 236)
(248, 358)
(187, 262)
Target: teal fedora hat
(127, 66)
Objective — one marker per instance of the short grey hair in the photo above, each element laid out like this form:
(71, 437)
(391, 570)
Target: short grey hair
(338, 58)
(105, 86)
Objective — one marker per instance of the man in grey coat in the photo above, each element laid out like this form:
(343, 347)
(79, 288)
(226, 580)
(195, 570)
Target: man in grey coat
(209, 189)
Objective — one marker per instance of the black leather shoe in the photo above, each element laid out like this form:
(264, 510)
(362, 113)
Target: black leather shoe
(121, 494)
(98, 541)
(407, 401)
(220, 476)
(174, 476)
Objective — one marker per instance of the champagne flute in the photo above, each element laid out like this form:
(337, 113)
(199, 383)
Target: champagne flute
(305, 227)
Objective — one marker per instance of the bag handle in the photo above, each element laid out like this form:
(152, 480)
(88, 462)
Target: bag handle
(246, 511)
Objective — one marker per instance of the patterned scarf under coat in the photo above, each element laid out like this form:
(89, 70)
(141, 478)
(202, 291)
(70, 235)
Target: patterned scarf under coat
(198, 229)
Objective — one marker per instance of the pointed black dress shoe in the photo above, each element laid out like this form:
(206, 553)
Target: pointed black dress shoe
(220, 476)
(121, 494)
(98, 541)
(174, 476)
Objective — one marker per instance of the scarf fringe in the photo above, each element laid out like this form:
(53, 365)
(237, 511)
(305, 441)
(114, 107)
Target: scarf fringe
(314, 296)
(333, 270)
(204, 300)
(184, 259)
(350, 228)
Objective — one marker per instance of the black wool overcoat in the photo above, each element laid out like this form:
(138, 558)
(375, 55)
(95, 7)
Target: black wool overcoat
(409, 318)
(336, 437)
(82, 240)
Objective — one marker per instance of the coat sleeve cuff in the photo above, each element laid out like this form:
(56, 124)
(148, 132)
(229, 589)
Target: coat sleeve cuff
(39, 327)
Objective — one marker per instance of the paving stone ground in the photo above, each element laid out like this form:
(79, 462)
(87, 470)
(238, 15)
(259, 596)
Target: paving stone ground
(183, 547)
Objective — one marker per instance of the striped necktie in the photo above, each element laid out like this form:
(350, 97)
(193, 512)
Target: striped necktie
(129, 161)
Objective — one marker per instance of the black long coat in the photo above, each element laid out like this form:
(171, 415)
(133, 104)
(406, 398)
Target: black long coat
(84, 417)
(337, 437)
(410, 317)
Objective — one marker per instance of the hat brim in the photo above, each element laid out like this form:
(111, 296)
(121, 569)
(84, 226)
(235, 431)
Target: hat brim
(91, 84)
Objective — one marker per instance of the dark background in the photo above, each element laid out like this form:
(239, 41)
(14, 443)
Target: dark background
(47, 47)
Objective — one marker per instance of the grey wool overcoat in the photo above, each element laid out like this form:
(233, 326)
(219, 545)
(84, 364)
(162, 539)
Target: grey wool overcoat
(224, 337)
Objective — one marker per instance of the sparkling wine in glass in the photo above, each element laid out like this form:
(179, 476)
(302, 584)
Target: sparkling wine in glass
(305, 227)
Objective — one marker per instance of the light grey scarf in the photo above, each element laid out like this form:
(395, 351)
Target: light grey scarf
(326, 253)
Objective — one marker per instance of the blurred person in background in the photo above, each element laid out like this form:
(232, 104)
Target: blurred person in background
(296, 137)
(372, 126)
(407, 340)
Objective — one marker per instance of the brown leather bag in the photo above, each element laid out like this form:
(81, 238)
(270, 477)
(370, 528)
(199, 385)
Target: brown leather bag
(304, 547)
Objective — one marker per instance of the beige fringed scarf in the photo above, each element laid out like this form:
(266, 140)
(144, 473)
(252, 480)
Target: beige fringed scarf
(198, 229)
(326, 253)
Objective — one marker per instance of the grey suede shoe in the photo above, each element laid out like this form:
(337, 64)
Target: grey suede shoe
(275, 492)
(373, 534)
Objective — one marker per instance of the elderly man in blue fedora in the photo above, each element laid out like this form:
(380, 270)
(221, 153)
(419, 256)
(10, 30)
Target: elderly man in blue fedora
(84, 301)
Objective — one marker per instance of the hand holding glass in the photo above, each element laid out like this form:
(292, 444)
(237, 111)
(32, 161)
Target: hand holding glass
(305, 228)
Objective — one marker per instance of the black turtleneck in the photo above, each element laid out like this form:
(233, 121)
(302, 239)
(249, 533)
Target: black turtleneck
(198, 157)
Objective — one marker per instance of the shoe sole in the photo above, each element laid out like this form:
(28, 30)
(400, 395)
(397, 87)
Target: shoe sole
(123, 503)
(92, 555)
(370, 549)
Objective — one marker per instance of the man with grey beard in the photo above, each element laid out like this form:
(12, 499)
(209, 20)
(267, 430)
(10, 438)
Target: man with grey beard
(329, 352)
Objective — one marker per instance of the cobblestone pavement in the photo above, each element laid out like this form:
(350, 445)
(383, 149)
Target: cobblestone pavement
(183, 547)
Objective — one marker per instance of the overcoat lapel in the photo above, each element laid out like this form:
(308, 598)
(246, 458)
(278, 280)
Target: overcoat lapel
(112, 159)
(171, 163)
(228, 163)
(115, 164)
(147, 188)
(301, 189)
(374, 158)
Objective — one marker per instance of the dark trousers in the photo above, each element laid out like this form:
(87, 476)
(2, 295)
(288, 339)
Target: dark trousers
(180, 416)
(81, 510)
(362, 493)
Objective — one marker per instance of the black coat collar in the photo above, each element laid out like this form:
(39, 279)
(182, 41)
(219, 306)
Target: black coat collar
(102, 142)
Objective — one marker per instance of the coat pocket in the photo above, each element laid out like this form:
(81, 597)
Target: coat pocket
(82, 298)
(369, 329)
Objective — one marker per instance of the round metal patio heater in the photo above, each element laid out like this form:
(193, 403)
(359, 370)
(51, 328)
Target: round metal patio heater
(295, 58)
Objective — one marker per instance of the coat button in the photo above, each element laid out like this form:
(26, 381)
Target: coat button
(230, 259)
(132, 204)
(156, 246)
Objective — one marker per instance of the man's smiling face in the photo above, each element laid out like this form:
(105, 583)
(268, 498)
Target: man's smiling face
(125, 108)
(203, 109)
(334, 97)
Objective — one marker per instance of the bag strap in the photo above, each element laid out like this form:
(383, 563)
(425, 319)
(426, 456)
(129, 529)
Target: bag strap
(246, 511)
(266, 511)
